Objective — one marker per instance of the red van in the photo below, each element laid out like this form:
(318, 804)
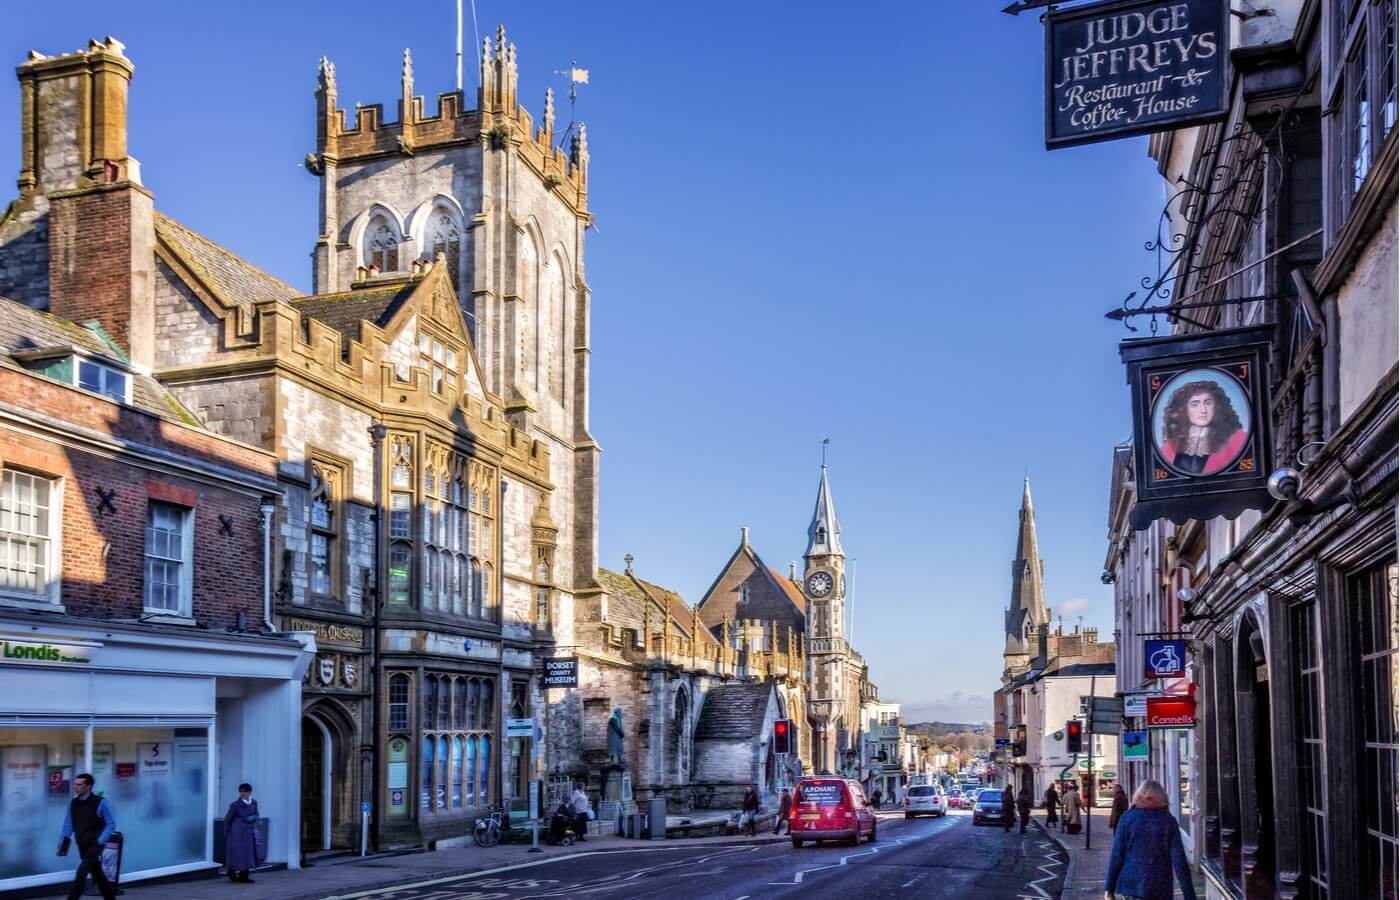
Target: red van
(830, 809)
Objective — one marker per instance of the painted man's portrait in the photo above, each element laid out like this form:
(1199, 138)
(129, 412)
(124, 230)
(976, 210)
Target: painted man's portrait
(1201, 422)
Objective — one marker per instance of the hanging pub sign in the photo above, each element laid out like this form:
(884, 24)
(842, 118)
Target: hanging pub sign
(1202, 429)
(1164, 659)
(1129, 67)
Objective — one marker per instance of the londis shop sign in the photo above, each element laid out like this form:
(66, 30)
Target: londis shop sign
(1130, 67)
(31, 650)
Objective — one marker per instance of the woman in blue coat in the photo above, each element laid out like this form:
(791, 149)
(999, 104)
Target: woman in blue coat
(1147, 850)
(240, 847)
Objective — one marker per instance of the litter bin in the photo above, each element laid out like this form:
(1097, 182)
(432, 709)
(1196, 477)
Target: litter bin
(656, 819)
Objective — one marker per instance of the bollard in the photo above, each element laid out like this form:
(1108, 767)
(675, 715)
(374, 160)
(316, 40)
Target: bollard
(364, 828)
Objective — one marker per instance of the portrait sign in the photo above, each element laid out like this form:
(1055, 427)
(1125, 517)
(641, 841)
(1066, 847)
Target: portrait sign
(1164, 659)
(1129, 67)
(1202, 431)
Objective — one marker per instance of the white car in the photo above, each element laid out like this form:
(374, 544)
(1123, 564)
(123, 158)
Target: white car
(924, 800)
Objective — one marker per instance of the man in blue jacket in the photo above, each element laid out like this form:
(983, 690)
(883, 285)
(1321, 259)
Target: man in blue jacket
(90, 822)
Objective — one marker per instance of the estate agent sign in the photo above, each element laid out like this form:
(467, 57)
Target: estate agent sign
(1171, 712)
(1202, 427)
(1129, 67)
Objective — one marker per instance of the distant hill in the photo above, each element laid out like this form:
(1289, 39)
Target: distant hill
(941, 728)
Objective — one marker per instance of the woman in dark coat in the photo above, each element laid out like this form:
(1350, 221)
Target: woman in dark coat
(240, 847)
(1052, 806)
(1147, 850)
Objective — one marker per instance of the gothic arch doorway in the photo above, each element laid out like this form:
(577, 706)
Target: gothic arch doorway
(680, 737)
(326, 777)
(1255, 728)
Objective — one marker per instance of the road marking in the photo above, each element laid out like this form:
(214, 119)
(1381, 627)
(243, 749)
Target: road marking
(448, 879)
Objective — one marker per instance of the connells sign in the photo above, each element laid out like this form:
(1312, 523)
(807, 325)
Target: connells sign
(1129, 67)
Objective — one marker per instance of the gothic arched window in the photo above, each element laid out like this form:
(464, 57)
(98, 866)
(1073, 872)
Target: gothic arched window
(382, 244)
(680, 737)
(444, 235)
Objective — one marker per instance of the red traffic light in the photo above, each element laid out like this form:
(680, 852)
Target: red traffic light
(1074, 736)
(782, 736)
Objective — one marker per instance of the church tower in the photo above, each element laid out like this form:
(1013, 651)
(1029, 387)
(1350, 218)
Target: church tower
(503, 198)
(1027, 611)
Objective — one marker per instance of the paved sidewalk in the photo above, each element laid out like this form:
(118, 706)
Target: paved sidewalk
(351, 874)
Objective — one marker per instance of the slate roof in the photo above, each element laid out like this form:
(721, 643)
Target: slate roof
(680, 610)
(23, 329)
(1083, 670)
(344, 310)
(617, 583)
(734, 711)
(793, 592)
(232, 279)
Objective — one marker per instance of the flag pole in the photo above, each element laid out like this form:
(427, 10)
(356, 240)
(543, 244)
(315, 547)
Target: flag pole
(459, 45)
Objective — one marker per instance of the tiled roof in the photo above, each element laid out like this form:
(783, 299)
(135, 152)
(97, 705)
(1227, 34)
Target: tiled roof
(345, 310)
(734, 711)
(234, 280)
(681, 611)
(23, 329)
(792, 590)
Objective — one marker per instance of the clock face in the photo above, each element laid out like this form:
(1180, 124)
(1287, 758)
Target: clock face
(819, 584)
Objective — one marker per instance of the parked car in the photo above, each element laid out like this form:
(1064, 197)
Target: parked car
(831, 809)
(924, 800)
(988, 809)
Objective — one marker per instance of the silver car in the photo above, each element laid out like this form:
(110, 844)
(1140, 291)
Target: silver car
(924, 800)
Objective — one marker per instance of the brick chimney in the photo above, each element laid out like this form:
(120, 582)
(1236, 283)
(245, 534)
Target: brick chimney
(101, 233)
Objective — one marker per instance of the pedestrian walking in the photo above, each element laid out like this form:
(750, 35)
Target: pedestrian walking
(581, 811)
(1052, 806)
(877, 797)
(1070, 801)
(241, 836)
(89, 822)
(1008, 807)
(784, 812)
(750, 813)
(1120, 806)
(1023, 806)
(1147, 850)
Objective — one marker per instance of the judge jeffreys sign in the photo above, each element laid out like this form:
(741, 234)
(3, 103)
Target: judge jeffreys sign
(1133, 66)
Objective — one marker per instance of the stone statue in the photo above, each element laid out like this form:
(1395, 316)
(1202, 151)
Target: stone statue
(615, 733)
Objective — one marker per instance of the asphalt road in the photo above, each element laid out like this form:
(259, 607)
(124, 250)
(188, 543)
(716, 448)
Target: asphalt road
(936, 858)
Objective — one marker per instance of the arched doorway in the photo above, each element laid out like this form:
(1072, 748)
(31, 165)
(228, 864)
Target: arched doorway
(680, 737)
(317, 766)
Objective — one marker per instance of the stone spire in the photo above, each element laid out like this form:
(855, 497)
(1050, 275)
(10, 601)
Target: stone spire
(824, 534)
(1027, 610)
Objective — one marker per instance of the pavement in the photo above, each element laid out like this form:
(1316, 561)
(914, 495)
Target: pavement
(943, 857)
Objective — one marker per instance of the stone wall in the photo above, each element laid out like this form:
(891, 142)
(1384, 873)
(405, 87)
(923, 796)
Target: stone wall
(1368, 304)
(240, 408)
(189, 332)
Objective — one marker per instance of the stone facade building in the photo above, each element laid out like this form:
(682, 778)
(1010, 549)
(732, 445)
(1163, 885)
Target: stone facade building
(426, 408)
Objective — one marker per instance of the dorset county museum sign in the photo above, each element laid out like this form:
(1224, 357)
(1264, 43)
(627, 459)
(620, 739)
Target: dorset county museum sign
(1129, 67)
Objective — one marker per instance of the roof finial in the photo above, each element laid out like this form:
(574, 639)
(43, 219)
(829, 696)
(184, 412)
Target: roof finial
(628, 559)
(825, 441)
(549, 110)
(744, 536)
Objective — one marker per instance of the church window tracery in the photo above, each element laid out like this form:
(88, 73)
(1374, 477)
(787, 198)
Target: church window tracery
(382, 244)
(444, 236)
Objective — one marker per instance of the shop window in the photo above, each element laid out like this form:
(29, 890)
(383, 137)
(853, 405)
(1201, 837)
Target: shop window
(1373, 594)
(1361, 92)
(169, 552)
(155, 778)
(455, 743)
(29, 507)
(1312, 770)
(398, 703)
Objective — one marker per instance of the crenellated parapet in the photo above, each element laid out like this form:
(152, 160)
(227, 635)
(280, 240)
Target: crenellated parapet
(498, 123)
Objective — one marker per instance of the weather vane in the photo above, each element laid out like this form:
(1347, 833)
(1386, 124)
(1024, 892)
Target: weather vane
(576, 77)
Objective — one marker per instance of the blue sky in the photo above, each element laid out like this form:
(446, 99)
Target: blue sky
(814, 220)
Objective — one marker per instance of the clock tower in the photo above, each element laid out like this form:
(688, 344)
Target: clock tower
(824, 577)
(833, 671)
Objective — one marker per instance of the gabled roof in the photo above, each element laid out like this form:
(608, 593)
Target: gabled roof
(617, 583)
(344, 310)
(673, 603)
(231, 279)
(734, 711)
(793, 591)
(24, 330)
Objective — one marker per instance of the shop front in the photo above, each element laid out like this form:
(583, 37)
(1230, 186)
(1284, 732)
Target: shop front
(168, 721)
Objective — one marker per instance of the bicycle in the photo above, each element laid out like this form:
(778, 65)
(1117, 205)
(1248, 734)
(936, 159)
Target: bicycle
(488, 830)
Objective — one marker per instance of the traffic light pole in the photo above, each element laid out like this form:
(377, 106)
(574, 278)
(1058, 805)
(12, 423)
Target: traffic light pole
(1088, 812)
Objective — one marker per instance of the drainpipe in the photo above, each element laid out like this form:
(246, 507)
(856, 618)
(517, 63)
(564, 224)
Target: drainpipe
(267, 506)
(377, 432)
